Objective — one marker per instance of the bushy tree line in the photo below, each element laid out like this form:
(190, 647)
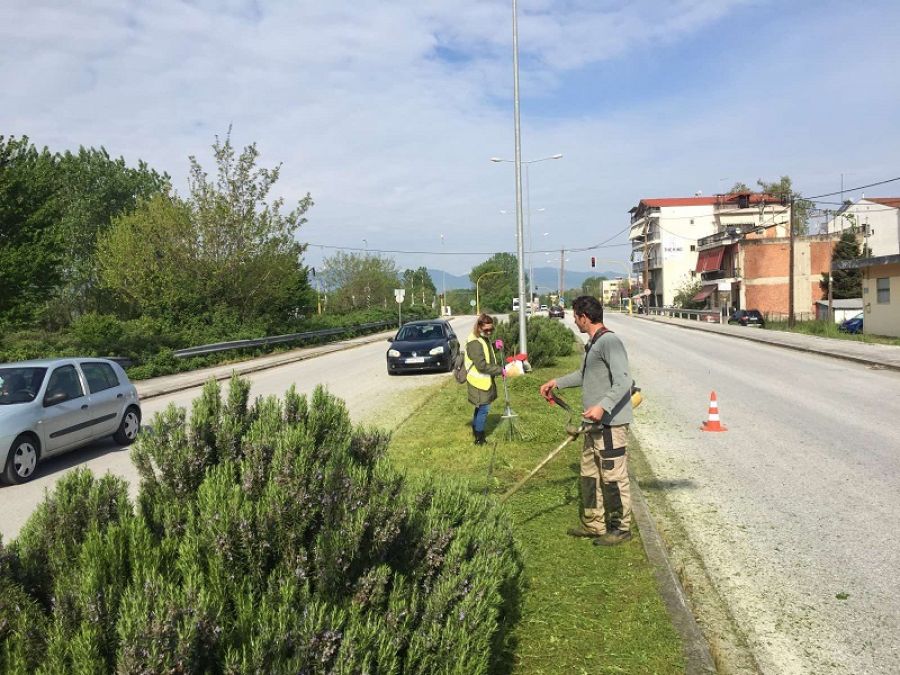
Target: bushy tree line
(271, 537)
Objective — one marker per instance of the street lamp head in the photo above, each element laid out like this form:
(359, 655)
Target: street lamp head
(497, 159)
(556, 156)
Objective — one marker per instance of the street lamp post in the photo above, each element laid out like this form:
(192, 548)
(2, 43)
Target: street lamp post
(443, 280)
(520, 238)
(477, 296)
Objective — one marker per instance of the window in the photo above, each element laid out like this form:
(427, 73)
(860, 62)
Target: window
(883, 288)
(99, 376)
(64, 380)
(693, 247)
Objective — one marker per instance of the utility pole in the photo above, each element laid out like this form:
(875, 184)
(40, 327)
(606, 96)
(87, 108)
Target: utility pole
(830, 278)
(562, 274)
(791, 266)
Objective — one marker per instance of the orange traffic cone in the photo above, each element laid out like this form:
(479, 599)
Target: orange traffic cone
(713, 424)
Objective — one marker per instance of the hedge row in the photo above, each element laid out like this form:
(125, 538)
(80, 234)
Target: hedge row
(548, 339)
(149, 343)
(266, 538)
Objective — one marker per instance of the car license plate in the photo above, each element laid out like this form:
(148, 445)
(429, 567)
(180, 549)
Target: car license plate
(416, 359)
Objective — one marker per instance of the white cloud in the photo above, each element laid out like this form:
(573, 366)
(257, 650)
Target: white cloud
(388, 112)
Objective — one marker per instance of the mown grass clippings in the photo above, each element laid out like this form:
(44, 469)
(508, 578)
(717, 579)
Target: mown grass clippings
(583, 608)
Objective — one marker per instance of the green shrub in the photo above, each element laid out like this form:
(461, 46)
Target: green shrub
(548, 339)
(270, 536)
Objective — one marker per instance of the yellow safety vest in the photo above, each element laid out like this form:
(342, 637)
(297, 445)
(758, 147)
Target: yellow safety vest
(474, 376)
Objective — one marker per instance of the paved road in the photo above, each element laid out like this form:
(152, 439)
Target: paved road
(794, 509)
(357, 375)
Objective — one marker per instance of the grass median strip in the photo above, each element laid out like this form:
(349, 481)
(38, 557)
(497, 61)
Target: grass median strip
(583, 608)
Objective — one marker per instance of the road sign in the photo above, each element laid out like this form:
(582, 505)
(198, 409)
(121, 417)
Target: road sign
(399, 294)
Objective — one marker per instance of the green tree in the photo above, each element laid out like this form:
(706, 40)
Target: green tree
(783, 189)
(847, 284)
(739, 186)
(353, 280)
(497, 291)
(684, 296)
(419, 286)
(592, 285)
(225, 247)
(53, 208)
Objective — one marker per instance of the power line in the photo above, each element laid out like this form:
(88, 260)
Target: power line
(602, 244)
(861, 187)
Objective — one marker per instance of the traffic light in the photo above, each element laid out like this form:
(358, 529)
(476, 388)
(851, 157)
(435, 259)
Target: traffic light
(593, 261)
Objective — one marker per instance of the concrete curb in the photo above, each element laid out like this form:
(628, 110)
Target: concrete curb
(219, 373)
(777, 343)
(696, 649)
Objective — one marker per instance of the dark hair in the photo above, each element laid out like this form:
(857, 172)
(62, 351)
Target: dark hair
(589, 306)
(483, 320)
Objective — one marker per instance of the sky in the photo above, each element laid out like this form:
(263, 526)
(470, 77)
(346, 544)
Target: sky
(388, 113)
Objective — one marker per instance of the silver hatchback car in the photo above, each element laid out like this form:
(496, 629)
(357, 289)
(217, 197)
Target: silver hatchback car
(51, 406)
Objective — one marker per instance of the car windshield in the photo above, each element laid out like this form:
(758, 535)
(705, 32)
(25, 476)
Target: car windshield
(420, 333)
(20, 385)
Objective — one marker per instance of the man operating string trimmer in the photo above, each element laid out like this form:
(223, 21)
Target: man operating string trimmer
(606, 396)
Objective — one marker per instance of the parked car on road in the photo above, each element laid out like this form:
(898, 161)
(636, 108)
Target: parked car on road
(747, 317)
(543, 308)
(51, 406)
(422, 345)
(852, 325)
(556, 312)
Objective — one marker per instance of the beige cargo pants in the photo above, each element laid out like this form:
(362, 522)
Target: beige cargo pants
(605, 490)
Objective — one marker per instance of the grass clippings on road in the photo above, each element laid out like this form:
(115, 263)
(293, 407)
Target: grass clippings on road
(584, 609)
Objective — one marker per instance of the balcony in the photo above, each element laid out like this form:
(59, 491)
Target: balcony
(730, 235)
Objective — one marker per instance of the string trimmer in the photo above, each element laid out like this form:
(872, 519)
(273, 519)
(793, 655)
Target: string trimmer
(573, 430)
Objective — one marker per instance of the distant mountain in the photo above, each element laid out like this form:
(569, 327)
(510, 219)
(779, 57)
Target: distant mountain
(544, 277)
(453, 281)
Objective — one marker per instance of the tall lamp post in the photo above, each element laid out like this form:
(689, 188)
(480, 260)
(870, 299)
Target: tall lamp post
(527, 163)
(477, 296)
(443, 280)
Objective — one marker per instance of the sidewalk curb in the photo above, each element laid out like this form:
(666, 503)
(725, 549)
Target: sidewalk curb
(783, 345)
(697, 656)
(246, 367)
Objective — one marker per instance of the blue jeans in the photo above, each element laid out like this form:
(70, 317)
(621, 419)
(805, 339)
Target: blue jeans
(480, 416)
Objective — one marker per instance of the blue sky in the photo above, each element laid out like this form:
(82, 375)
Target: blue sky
(388, 113)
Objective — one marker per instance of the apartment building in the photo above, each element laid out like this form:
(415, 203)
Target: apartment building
(665, 234)
(877, 218)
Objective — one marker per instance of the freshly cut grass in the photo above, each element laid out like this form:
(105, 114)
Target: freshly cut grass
(584, 609)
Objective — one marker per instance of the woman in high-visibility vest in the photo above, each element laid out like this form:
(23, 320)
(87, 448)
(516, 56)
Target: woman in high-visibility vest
(481, 369)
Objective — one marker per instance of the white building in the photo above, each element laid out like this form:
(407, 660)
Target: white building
(878, 218)
(664, 234)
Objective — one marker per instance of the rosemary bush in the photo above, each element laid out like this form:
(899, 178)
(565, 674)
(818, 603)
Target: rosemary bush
(271, 537)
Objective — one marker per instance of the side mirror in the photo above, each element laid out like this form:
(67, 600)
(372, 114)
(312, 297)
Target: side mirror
(54, 398)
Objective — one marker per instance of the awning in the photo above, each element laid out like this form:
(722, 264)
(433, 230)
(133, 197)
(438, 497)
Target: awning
(704, 293)
(710, 260)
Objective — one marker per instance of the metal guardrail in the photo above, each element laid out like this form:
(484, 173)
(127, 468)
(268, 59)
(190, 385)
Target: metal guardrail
(707, 315)
(202, 350)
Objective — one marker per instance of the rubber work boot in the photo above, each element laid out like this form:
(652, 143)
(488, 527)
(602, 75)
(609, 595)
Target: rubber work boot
(613, 538)
(580, 531)
(479, 438)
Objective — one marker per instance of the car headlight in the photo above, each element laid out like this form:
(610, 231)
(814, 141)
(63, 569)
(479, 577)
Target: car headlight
(393, 352)
(437, 350)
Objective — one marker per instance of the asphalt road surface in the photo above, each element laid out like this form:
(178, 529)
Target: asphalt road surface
(358, 376)
(795, 509)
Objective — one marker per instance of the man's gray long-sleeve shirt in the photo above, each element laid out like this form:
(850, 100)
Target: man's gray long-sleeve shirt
(606, 381)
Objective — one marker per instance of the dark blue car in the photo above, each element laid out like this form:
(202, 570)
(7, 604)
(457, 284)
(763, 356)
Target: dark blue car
(422, 345)
(852, 325)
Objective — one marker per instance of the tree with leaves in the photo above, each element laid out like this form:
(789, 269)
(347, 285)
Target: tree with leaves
(226, 246)
(592, 286)
(684, 295)
(53, 209)
(419, 286)
(847, 284)
(356, 281)
(497, 290)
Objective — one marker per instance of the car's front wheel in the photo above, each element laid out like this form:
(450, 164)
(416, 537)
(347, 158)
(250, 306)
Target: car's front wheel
(22, 460)
(129, 427)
